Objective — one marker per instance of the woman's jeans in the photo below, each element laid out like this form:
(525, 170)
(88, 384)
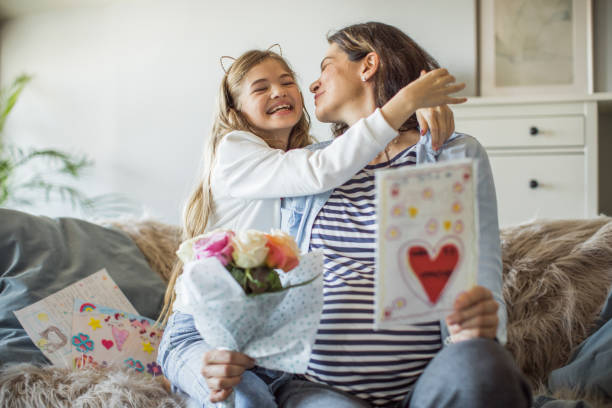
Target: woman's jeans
(473, 373)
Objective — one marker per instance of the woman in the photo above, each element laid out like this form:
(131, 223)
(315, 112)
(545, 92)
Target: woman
(364, 65)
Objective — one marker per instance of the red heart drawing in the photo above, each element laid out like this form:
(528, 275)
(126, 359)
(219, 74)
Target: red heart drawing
(107, 343)
(433, 274)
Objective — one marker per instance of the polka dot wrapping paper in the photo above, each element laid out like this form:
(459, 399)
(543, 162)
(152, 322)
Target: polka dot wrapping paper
(276, 329)
(427, 240)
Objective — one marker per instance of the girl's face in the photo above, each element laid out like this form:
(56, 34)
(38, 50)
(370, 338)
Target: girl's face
(339, 91)
(270, 100)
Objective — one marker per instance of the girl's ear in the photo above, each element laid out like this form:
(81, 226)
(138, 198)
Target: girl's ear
(370, 64)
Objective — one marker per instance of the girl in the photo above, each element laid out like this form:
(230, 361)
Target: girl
(255, 157)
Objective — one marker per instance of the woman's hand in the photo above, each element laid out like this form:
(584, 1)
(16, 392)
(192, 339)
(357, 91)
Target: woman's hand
(222, 370)
(439, 121)
(474, 315)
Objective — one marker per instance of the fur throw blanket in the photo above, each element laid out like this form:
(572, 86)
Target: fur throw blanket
(557, 275)
(556, 278)
(30, 386)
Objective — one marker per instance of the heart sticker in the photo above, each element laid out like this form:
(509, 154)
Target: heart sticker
(120, 337)
(107, 343)
(431, 267)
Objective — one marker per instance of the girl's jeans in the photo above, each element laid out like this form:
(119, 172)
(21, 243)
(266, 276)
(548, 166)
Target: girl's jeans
(473, 373)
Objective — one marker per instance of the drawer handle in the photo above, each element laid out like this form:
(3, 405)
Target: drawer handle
(533, 131)
(533, 184)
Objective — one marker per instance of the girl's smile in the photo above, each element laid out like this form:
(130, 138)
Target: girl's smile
(280, 108)
(270, 100)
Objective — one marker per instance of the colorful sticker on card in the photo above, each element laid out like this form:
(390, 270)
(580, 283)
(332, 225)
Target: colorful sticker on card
(102, 337)
(427, 241)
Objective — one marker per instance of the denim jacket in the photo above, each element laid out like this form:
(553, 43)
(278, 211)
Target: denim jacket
(298, 214)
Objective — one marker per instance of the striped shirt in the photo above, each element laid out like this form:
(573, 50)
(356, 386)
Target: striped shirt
(377, 366)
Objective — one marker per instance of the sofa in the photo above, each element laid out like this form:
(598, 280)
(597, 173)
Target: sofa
(557, 279)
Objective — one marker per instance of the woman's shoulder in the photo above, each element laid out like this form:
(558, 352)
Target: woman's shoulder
(469, 145)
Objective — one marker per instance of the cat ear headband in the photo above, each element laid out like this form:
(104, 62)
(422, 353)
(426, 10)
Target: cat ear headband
(226, 61)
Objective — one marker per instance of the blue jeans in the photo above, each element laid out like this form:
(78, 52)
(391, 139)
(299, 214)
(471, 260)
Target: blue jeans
(180, 355)
(474, 373)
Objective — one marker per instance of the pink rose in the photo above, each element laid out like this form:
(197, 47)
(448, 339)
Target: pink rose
(217, 244)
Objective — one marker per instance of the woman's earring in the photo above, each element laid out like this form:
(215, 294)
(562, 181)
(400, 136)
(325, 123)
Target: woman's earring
(363, 78)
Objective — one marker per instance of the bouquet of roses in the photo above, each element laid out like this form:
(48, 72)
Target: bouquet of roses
(251, 257)
(252, 292)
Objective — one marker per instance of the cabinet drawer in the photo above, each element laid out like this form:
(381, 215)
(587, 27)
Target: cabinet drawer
(539, 186)
(543, 131)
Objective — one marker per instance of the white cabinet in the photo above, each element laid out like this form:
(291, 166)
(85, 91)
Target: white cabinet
(544, 154)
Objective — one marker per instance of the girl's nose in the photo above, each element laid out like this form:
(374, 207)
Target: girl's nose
(277, 91)
(314, 86)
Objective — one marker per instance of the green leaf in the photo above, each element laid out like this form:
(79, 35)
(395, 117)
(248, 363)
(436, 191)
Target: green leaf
(8, 102)
(68, 164)
(239, 275)
(274, 282)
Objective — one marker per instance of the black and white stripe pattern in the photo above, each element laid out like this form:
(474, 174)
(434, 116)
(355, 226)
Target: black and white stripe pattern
(377, 366)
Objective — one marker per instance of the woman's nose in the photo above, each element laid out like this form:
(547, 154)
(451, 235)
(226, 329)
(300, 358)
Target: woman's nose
(314, 86)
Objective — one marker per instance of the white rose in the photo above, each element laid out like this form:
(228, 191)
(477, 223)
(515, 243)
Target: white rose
(185, 251)
(250, 248)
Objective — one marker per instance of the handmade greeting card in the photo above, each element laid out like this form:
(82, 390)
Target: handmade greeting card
(102, 336)
(427, 241)
(48, 322)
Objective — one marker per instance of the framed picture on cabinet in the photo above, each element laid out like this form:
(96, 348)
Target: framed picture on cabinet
(535, 47)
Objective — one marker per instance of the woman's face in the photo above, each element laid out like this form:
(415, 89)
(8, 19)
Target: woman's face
(339, 89)
(270, 100)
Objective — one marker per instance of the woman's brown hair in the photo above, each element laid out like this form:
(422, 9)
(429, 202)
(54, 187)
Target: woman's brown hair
(401, 60)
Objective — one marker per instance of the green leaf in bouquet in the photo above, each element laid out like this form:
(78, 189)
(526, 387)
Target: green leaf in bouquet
(239, 275)
(274, 282)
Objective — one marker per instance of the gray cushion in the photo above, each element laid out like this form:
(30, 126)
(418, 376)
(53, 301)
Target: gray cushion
(590, 368)
(41, 255)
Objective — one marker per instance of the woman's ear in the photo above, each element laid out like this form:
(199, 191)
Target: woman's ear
(370, 64)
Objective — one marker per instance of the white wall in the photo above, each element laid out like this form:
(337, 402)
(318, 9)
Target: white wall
(133, 84)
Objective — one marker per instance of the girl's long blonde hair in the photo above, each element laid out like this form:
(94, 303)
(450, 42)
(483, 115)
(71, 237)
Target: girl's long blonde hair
(228, 118)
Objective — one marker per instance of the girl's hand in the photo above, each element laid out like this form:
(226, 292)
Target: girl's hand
(439, 121)
(433, 89)
(430, 90)
(222, 370)
(474, 315)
